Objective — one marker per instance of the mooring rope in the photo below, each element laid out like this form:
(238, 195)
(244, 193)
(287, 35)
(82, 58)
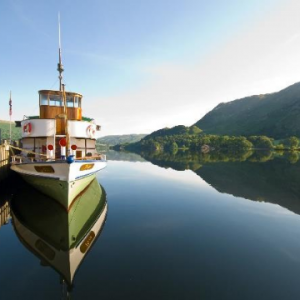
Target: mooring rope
(27, 151)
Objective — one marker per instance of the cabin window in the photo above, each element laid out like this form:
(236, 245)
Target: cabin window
(43, 99)
(56, 100)
(70, 101)
(76, 102)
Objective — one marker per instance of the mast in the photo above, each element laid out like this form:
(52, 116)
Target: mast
(60, 67)
(66, 120)
(10, 113)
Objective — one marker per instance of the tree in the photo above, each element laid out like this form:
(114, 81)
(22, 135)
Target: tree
(194, 130)
(261, 142)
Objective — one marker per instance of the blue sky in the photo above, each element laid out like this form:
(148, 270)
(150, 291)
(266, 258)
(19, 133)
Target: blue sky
(147, 64)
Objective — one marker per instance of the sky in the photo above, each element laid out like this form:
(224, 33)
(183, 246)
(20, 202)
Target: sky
(143, 65)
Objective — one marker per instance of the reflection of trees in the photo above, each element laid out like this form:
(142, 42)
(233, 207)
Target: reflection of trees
(123, 156)
(259, 176)
(261, 156)
(275, 181)
(293, 157)
(182, 160)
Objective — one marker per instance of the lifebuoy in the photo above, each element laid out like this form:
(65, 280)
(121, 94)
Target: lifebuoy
(27, 128)
(90, 131)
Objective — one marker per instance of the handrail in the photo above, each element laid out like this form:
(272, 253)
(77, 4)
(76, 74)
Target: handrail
(98, 157)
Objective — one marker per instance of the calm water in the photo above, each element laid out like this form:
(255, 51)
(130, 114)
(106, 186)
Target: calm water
(178, 227)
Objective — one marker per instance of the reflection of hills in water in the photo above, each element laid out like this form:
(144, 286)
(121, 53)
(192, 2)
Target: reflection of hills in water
(60, 239)
(123, 156)
(262, 176)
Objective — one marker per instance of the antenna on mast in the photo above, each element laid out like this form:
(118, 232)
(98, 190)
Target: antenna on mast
(60, 67)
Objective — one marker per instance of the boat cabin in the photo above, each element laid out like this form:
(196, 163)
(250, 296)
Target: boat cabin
(52, 107)
(60, 118)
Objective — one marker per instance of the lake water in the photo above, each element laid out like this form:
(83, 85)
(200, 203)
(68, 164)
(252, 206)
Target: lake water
(177, 227)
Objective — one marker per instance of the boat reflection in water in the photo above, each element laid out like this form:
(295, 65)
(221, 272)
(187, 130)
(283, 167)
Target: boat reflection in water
(59, 238)
(4, 213)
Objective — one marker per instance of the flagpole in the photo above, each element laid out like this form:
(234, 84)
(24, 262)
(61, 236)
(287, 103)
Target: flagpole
(10, 112)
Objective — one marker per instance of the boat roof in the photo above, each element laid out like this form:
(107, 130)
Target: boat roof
(18, 123)
(54, 92)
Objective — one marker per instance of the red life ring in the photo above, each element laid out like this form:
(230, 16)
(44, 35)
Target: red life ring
(90, 131)
(27, 128)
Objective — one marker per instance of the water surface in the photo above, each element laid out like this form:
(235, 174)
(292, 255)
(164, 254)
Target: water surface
(177, 228)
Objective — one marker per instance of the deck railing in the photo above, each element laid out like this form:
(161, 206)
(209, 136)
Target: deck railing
(4, 161)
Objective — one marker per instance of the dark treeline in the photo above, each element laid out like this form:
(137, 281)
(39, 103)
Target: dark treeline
(192, 138)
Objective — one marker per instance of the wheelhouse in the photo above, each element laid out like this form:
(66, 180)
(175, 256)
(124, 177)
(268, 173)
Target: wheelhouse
(52, 105)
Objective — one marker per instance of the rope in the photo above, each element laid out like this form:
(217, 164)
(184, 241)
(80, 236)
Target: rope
(24, 150)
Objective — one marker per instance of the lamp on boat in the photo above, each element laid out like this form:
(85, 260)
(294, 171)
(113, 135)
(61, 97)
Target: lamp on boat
(50, 149)
(63, 143)
(74, 148)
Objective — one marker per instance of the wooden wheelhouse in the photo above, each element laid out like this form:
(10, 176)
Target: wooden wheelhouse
(52, 106)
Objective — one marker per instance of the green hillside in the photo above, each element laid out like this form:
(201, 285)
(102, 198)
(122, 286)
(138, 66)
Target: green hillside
(4, 126)
(275, 115)
(113, 140)
(177, 130)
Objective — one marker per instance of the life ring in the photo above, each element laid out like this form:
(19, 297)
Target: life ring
(27, 127)
(90, 131)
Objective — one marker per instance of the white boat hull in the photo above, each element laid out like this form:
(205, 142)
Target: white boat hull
(60, 180)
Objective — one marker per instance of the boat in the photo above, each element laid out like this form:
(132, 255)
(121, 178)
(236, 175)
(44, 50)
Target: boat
(58, 153)
(60, 239)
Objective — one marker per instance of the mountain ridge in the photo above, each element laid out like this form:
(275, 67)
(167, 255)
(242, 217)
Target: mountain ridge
(273, 114)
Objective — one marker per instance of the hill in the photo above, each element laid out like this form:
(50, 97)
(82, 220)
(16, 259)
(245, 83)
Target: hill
(4, 126)
(177, 130)
(276, 115)
(113, 140)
